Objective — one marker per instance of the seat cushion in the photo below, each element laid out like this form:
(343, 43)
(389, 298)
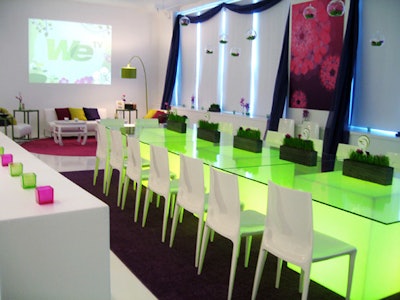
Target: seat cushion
(77, 113)
(91, 113)
(22, 129)
(62, 113)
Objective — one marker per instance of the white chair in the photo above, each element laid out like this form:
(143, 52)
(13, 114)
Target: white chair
(145, 123)
(102, 154)
(134, 171)
(344, 150)
(289, 235)
(286, 126)
(225, 127)
(394, 160)
(160, 183)
(318, 144)
(309, 130)
(274, 139)
(118, 159)
(225, 217)
(191, 197)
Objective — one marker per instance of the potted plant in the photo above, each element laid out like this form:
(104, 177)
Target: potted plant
(363, 165)
(214, 107)
(176, 123)
(208, 131)
(298, 150)
(248, 139)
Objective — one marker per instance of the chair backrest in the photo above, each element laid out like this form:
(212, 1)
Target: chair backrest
(112, 123)
(134, 162)
(223, 213)
(309, 130)
(289, 222)
(318, 144)
(286, 126)
(394, 160)
(225, 127)
(274, 138)
(103, 141)
(145, 123)
(159, 176)
(344, 150)
(118, 149)
(191, 184)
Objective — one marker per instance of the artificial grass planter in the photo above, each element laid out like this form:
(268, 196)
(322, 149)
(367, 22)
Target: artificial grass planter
(176, 123)
(248, 139)
(208, 131)
(298, 151)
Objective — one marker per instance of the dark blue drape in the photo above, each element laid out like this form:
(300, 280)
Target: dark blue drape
(281, 84)
(174, 50)
(336, 130)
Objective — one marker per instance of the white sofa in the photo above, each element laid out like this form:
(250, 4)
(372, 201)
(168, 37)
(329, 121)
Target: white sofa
(50, 117)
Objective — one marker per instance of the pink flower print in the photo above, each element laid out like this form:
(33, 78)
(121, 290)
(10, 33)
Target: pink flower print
(328, 72)
(298, 99)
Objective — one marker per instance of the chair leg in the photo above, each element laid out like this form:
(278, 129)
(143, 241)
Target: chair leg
(204, 243)
(249, 240)
(166, 214)
(125, 192)
(235, 254)
(109, 175)
(105, 177)
(262, 256)
(120, 185)
(173, 226)
(305, 284)
(352, 259)
(149, 195)
(96, 170)
(200, 227)
(278, 273)
(137, 203)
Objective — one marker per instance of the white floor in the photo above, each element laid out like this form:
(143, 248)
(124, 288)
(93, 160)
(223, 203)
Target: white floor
(124, 284)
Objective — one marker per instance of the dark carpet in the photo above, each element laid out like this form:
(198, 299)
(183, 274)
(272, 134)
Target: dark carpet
(71, 147)
(169, 272)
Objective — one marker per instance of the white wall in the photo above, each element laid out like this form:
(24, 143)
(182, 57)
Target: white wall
(135, 31)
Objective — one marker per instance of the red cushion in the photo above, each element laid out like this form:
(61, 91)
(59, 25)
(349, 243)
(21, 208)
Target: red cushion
(160, 115)
(63, 113)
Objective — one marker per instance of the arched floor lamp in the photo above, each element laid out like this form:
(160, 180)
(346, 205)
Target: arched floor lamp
(130, 72)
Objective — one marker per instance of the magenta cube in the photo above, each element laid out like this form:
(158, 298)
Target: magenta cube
(44, 194)
(6, 159)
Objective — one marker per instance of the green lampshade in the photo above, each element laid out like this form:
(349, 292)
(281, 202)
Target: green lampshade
(128, 72)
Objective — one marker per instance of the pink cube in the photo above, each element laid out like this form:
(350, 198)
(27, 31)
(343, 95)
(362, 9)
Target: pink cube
(44, 194)
(6, 159)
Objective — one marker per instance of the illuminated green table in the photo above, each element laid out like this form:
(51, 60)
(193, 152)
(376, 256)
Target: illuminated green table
(364, 214)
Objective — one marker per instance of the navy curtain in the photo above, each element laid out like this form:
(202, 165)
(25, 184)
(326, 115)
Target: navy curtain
(174, 49)
(336, 130)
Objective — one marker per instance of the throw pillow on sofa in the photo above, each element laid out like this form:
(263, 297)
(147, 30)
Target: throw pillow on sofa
(63, 113)
(91, 114)
(77, 113)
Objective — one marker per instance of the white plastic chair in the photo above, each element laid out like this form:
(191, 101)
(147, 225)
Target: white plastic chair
(274, 139)
(118, 159)
(286, 126)
(191, 197)
(160, 183)
(134, 171)
(289, 235)
(318, 144)
(344, 150)
(145, 123)
(225, 217)
(309, 130)
(394, 160)
(225, 127)
(102, 154)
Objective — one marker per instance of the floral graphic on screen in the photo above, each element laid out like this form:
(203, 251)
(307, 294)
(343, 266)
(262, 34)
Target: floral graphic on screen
(316, 44)
(328, 72)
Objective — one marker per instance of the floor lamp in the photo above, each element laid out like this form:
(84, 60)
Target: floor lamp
(129, 72)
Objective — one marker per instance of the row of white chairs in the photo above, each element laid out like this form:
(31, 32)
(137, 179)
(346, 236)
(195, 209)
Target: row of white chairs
(220, 210)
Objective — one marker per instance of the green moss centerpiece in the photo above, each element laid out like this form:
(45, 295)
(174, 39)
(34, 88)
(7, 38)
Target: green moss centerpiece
(214, 108)
(248, 139)
(365, 166)
(176, 123)
(298, 150)
(208, 131)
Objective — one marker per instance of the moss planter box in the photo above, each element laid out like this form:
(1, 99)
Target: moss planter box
(299, 156)
(208, 135)
(369, 172)
(251, 145)
(176, 126)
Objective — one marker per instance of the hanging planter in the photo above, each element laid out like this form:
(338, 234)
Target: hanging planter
(335, 8)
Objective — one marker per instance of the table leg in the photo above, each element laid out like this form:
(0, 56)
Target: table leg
(84, 135)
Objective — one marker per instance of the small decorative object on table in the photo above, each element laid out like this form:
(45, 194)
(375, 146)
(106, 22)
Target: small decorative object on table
(214, 107)
(364, 166)
(208, 131)
(21, 104)
(44, 194)
(298, 151)
(176, 123)
(248, 139)
(245, 106)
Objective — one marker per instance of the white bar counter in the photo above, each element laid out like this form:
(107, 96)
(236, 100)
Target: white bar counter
(53, 251)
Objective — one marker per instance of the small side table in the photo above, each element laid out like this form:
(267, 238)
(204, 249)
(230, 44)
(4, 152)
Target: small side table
(26, 117)
(127, 110)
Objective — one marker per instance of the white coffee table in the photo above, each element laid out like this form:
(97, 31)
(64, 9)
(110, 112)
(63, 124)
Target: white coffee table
(69, 128)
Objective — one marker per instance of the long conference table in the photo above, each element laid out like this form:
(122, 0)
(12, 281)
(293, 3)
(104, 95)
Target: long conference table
(53, 251)
(364, 214)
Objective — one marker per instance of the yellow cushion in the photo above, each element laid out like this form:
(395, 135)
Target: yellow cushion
(77, 113)
(150, 114)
